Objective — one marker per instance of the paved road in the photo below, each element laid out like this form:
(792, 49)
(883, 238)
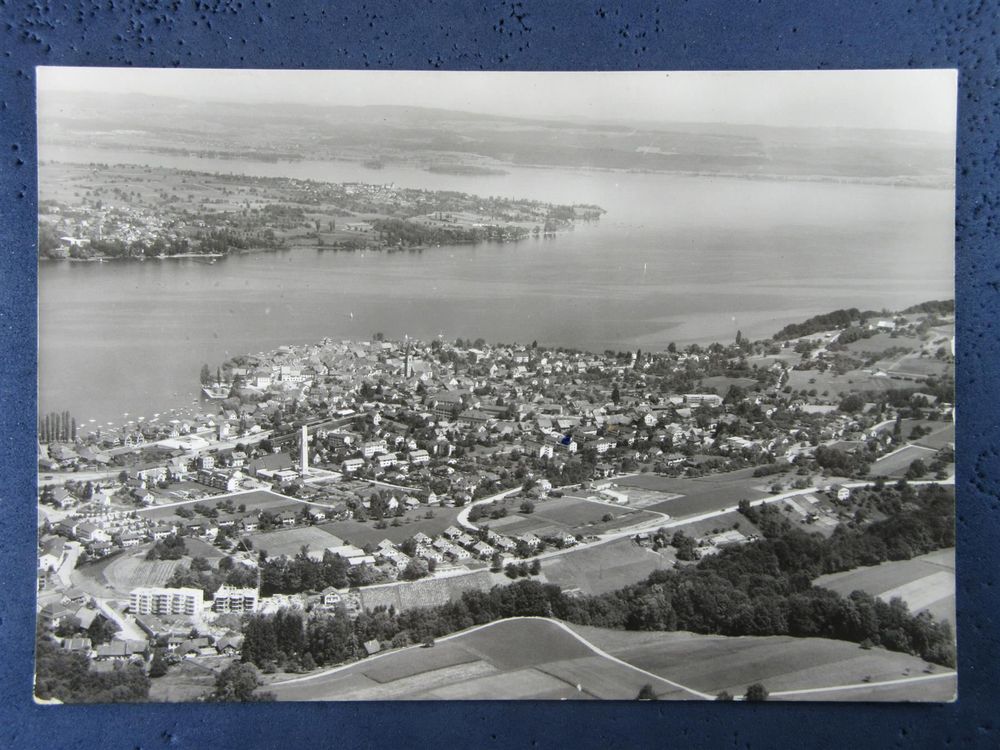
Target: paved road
(127, 627)
(65, 571)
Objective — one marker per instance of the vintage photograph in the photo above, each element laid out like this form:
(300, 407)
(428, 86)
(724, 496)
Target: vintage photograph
(385, 385)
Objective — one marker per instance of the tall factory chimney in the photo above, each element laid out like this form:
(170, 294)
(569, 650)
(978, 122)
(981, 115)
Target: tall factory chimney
(304, 458)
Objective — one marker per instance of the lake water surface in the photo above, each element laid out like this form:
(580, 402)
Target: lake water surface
(676, 258)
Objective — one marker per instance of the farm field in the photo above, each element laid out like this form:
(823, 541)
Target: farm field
(254, 500)
(881, 342)
(360, 533)
(721, 384)
(200, 548)
(896, 464)
(926, 582)
(711, 663)
(538, 658)
(185, 681)
(725, 522)
(528, 658)
(125, 573)
(700, 495)
(427, 591)
(836, 386)
(603, 567)
(572, 514)
(941, 433)
(290, 541)
(914, 365)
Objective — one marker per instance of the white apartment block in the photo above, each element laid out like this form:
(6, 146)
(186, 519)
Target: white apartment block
(232, 599)
(149, 600)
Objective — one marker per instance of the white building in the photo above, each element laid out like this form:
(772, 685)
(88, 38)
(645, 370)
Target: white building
(232, 599)
(150, 600)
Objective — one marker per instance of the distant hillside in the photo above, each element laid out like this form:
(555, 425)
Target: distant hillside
(425, 137)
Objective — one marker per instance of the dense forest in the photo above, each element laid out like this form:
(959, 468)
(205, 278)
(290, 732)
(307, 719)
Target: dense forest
(763, 588)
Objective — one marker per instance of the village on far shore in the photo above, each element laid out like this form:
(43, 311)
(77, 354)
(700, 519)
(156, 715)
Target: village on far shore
(356, 477)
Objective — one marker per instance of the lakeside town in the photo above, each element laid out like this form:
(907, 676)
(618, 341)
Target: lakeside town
(353, 503)
(101, 212)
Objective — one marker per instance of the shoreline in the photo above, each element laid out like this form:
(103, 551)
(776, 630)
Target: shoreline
(898, 181)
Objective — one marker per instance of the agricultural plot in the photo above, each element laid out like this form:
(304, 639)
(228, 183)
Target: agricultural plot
(536, 658)
(200, 548)
(836, 386)
(426, 592)
(918, 367)
(256, 500)
(512, 659)
(701, 495)
(940, 435)
(725, 522)
(896, 464)
(574, 515)
(360, 533)
(127, 573)
(290, 541)
(186, 681)
(925, 583)
(782, 663)
(882, 342)
(721, 384)
(603, 567)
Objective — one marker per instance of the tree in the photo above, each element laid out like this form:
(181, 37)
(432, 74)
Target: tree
(756, 692)
(916, 470)
(101, 630)
(238, 683)
(527, 507)
(852, 403)
(158, 666)
(616, 395)
(416, 568)
(646, 693)
(206, 375)
(723, 696)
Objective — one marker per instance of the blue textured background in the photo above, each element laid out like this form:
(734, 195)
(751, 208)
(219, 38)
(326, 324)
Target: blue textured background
(582, 35)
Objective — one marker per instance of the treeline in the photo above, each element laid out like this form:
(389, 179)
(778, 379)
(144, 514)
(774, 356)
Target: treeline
(224, 241)
(825, 322)
(938, 307)
(401, 232)
(66, 677)
(759, 589)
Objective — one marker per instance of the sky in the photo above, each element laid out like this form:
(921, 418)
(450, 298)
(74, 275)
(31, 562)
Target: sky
(886, 99)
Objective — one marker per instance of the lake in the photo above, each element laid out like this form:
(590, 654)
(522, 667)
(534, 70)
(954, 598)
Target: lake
(676, 258)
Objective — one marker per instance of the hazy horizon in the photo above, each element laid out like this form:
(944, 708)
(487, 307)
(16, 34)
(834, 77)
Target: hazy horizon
(894, 100)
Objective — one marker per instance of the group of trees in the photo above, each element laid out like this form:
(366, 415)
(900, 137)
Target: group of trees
(67, 677)
(843, 463)
(825, 322)
(284, 575)
(56, 426)
(169, 548)
(201, 575)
